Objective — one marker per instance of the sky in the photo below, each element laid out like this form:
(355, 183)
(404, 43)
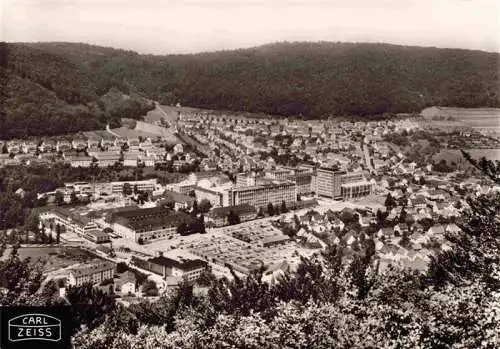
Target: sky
(185, 26)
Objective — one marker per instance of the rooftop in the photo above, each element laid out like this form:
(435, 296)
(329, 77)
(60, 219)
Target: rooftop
(183, 264)
(90, 269)
(239, 209)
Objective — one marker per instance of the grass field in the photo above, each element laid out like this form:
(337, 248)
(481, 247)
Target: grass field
(491, 154)
(55, 257)
(477, 117)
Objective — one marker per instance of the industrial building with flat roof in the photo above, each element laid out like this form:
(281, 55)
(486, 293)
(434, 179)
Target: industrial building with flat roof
(219, 215)
(258, 234)
(275, 192)
(187, 269)
(75, 223)
(148, 224)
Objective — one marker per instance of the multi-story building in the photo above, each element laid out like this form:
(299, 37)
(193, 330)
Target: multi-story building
(187, 269)
(245, 179)
(142, 225)
(75, 223)
(356, 190)
(80, 188)
(274, 192)
(130, 160)
(80, 161)
(178, 200)
(93, 273)
(145, 185)
(148, 161)
(280, 174)
(303, 181)
(106, 159)
(217, 198)
(329, 181)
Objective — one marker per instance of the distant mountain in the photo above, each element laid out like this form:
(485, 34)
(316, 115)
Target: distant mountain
(315, 80)
(48, 94)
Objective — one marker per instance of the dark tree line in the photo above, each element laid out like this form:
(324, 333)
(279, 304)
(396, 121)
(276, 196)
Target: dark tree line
(309, 79)
(45, 94)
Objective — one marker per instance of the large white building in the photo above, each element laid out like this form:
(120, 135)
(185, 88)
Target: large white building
(75, 223)
(93, 273)
(356, 190)
(329, 182)
(274, 192)
(188, 269)
(148, 224)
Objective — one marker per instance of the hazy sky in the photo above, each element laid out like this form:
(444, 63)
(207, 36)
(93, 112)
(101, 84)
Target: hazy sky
(173, 26)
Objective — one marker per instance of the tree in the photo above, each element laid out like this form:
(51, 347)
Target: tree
(233, 218)
(127, 189)
(74, 199)
(89, 305)
(58, 233)
(380, 216)
(195, 210)
(284, 209)
(204, 206)
(59, 198)
(405, 240)
(5, 148)
(200, 223)
(121, 267)
(182, 228)
(487, 167)
(270, 209)
(206, 278)
(149, 288)
(390, 203)
(19, 279)
(33, 224)
(403, 215)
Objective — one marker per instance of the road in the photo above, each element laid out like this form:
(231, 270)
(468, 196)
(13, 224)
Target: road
(368, 159)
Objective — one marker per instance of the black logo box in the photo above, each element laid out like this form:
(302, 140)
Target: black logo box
(35, 327)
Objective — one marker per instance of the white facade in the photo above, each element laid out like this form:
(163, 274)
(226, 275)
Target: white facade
(94, 274)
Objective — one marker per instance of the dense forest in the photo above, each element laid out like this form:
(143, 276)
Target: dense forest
(309, 79)
(47, 94)
(52, 88)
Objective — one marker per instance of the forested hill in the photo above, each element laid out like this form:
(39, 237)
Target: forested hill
(43, 93)
(310, 79)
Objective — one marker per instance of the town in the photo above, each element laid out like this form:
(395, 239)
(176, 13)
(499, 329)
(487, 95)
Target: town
(249, 194)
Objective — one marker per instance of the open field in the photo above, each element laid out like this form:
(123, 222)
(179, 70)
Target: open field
(124, 132)
(57, 257)
(98, 135)
(477, 117)
(491, 154)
